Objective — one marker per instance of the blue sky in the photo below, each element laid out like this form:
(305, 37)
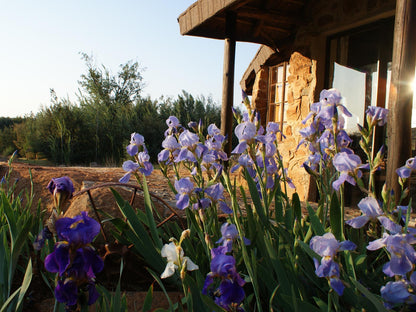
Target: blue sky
(41, 41)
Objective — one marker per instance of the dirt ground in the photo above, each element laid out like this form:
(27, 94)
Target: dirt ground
(81, 177)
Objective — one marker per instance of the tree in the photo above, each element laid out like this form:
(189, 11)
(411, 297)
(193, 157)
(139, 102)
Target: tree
(108, 101)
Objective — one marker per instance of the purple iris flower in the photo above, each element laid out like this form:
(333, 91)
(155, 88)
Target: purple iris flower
(326, 141)
(245, 161)
(188, 138)
(173, 122)
(202, 203)
(193, 125)
(40, 239)
(396, 293)
(377, 115)
(74, 259)
(200, 150)
(371, 210)
(348, 165)
(184, 187)
(163, 155)
(273, 127)
(402, 253)
(314, 109)
(327, 109)
(312, 161)
(79, 230)
(170, 143)
(325, 115)
(230, 292)
(216, 192)
(131, 167)
(215, 141)
(224, 207)
(331, 96)
(402, 210)
(135, 141)
(229, 234)
(66, 291)
(308, 131)
(146, 166)
(209, 158)
(343, 139)
(327, 247)
(58, 261)
(143, 165)
(405, 171)
(224, 266)
(61, 185)
(80, 263)
(213, 130)
(185, 155)
(245, 131)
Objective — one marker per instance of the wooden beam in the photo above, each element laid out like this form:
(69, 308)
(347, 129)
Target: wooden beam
(228, 80)
(297, 2)
(271, 27)
(267, 16)
(400, 99)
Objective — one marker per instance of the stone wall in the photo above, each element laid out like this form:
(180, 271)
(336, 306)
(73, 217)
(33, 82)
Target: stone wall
(300, 92)
(301, 89)
(259, 95)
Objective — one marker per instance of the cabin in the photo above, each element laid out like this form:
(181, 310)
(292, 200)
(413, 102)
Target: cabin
(364, 48)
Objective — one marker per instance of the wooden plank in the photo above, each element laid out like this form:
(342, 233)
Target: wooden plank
(269, 16)
(400, 99)
(228, 81)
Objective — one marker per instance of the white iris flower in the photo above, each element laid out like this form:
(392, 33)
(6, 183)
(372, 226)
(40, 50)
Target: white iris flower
(176, 260)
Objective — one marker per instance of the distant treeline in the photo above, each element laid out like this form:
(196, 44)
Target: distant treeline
(97, 126)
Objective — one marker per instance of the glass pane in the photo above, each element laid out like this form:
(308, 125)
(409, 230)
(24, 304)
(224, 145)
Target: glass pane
(277, 113)
(280, 73)
(273, 75)
(271, 112)
(279, 93)
(272, 94)
(286, 91)
(287, 70)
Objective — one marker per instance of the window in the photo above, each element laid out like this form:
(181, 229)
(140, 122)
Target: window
(278, 93)
(359, 67)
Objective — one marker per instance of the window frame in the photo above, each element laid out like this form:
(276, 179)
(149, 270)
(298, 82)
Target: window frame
(279, 102)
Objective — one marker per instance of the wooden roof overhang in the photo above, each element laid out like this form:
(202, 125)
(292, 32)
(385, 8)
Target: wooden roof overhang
(267, 22)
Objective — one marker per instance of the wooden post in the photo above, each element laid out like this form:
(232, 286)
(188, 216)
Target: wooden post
(228, 81)
(400, 99)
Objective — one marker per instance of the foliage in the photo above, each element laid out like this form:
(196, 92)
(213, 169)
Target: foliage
(92, 128)
(16, 227)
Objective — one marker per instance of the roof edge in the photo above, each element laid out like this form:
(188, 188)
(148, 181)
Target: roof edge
(200, 11)
(261, 57)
